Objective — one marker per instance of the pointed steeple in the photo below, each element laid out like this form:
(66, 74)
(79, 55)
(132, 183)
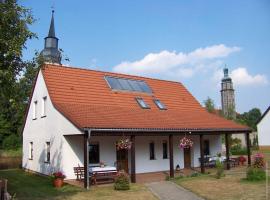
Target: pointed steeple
(52, 31)
(51, 52)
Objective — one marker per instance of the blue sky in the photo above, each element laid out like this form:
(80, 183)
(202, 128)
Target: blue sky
(187, 41)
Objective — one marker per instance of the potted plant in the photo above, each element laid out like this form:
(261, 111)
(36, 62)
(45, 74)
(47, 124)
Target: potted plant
(123, 144)
(185, 142)
(58, 179)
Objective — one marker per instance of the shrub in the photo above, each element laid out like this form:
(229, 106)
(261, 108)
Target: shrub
(11, 142)
(220, 169)
(121, 181)
(195, 174)
(255, 174)
(238, 150)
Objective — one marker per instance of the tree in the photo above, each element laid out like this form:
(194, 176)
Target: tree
(250, 118)
(209, 105)
(14, 22)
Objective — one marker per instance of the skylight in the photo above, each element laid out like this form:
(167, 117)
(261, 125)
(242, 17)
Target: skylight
(127, 84)
(160, 105)
(142, 103)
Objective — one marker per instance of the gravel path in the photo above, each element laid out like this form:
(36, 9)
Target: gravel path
(167, 190)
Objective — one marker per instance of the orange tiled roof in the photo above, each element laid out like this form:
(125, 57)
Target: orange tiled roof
(84, 97)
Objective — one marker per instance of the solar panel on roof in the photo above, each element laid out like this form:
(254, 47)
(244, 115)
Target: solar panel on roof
(128, 84)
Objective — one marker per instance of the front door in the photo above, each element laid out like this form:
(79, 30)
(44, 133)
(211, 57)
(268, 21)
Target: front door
(122, 159)
(187, 158)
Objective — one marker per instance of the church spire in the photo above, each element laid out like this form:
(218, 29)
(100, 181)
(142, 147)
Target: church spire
(52, 31)
(51, 52)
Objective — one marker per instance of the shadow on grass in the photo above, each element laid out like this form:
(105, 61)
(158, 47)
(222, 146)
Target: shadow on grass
(30, 186)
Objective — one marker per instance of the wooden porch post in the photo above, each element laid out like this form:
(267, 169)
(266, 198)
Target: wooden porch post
(86, 159)
(132, 161)
(202, 153)
(227, 150)
(171, 156)
(248, 148)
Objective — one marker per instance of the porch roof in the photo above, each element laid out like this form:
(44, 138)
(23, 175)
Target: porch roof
(84, 97)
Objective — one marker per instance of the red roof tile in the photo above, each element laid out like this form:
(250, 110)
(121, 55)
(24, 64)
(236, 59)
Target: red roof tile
(84, 97)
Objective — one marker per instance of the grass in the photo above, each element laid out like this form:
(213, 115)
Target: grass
(233, 186)
(29, 186)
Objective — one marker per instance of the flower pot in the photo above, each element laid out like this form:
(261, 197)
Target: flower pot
(58, 182)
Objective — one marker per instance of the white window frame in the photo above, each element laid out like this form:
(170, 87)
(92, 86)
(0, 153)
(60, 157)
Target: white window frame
(35, 109)
(31, 150)
(47, 151)
(44, 106)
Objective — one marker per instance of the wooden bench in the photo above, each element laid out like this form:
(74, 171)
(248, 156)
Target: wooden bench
(96, 177)
(79, 172)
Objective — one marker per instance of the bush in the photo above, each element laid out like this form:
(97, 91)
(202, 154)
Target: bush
(238, 150)
(11, 142)
(121, 181)
(220, 169)
(255, 174)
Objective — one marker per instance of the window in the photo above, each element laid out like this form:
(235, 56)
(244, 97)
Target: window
(94, 153)
(142, 103)
(152, 150)
(31, 151)
(48, 153)
(160, 105)
(43, 106)
(128, 84)
(35, 110)
(165, 149)
(206, 147)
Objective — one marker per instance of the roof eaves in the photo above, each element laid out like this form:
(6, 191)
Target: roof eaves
(267, 110)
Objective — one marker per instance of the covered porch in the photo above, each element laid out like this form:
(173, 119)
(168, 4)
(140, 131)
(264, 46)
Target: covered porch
(135, 164)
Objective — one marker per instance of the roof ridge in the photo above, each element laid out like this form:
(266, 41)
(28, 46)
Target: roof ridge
(87, 69)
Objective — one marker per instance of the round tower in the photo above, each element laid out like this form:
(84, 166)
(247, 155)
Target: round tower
(227, 95)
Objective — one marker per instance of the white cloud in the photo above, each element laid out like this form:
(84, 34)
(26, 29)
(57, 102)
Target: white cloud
(175, 65)
(240, 76)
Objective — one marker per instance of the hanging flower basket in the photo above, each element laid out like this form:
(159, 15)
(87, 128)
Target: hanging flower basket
(185, 143)
(123, 144)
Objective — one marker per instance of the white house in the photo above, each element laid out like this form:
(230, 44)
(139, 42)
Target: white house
(263, 127)
(75, 116)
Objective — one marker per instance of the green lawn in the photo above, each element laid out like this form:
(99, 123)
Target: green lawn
(29, 186)
(231, 187)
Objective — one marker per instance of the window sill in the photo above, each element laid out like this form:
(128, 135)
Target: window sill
(165, 158)
(30, 158)
(34, 119)
(43, 116)
(153, 159)
(47, 162)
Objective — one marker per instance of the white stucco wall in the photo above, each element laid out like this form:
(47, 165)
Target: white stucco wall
(143, 163)
(264, 130)
(47, 129)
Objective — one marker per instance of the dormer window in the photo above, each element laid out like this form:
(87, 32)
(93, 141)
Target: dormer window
(142, 103)
(160, 105)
